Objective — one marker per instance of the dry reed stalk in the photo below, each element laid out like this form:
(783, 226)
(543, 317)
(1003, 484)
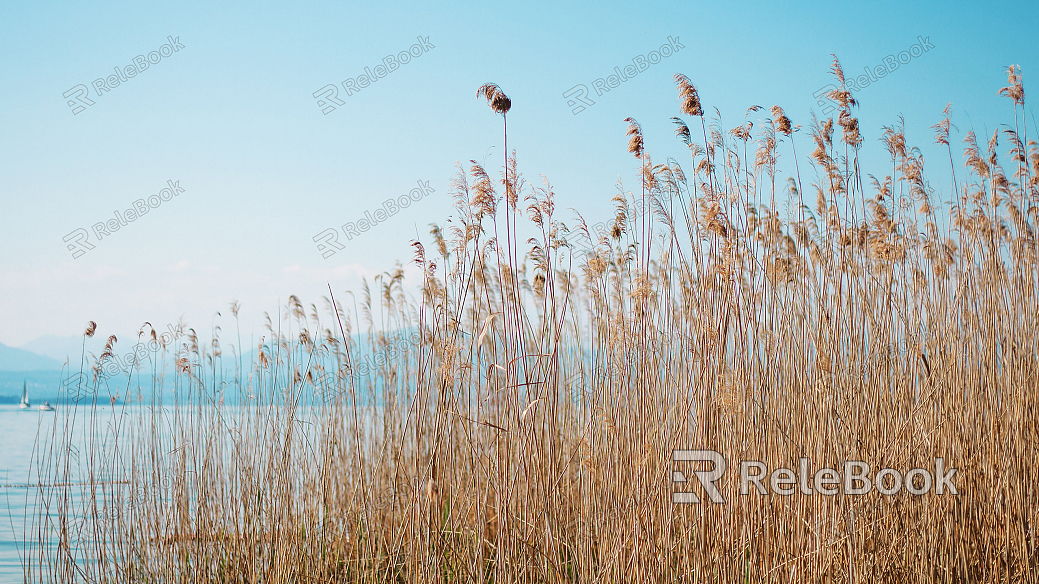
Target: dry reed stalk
(527, 436)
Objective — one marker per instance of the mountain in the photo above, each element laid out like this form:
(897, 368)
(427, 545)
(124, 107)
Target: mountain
(62, 348)
(12, 359)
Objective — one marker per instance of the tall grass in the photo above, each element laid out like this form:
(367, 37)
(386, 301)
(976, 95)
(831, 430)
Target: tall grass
(528, 434)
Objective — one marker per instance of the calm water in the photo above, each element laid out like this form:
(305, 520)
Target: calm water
(19, 430)
(22, 434)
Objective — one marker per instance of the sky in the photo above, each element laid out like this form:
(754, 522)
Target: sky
(229, 119)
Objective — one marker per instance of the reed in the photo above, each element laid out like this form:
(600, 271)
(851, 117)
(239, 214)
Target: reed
(526, 434)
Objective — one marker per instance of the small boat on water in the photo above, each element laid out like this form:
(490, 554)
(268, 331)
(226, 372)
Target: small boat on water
(25, 398)
(46, 407)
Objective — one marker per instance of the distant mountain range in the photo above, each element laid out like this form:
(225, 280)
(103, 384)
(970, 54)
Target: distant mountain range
(50, 352)
(62, 348)
(12, 359)
(38, 365)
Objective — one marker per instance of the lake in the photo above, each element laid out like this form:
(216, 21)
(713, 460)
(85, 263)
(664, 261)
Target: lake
(19, 430)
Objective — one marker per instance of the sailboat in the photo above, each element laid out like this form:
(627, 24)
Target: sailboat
(25, 398)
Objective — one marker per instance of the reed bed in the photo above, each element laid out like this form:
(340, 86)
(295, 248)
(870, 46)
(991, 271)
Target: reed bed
(524, 430)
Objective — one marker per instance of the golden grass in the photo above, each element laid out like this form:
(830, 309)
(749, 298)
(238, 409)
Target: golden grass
(528, 436)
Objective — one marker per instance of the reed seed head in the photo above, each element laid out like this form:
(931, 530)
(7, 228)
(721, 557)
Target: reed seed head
(1015, 89)
(635, 142)
(688, 97)
(783, 125)
(496, 98)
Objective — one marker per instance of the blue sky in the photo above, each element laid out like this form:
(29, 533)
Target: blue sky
(232, 117)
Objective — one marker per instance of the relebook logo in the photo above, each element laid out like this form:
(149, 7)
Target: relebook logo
(328, 240)
(872, 74)
(78, 98)
(577, 97)
(78, 241)
(328, 96)
(855, 478)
